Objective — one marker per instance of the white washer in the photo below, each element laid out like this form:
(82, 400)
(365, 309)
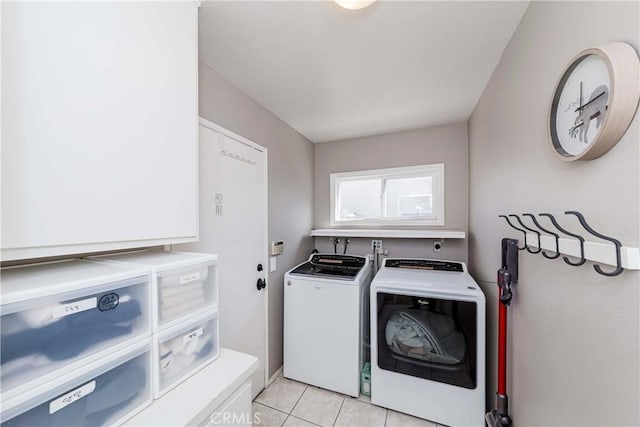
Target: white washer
(324, 299)
(428, 341)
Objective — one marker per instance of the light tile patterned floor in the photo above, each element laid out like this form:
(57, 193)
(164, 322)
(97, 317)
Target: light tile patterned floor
(290, 403)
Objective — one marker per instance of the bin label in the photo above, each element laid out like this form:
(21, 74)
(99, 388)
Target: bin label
(72, 396)
(192, 335)
(190, 278)
(74, 307)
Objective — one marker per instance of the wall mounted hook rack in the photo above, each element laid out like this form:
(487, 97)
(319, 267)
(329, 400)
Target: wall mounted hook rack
(611, 252)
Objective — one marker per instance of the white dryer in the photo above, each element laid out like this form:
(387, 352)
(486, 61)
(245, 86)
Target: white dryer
(324, 302)
(428, 341)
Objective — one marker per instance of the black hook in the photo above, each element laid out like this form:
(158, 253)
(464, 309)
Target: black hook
(616, 242)
(555, 235)
(531, 230)
(568, 233)
(519, 229)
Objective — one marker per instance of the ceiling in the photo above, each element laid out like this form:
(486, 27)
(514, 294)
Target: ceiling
(333, 74)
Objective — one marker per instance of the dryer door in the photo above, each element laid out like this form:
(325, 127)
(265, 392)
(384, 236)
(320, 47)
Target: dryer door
(428, 337)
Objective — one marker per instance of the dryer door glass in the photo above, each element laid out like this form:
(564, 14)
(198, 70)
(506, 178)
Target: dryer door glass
(428, 338)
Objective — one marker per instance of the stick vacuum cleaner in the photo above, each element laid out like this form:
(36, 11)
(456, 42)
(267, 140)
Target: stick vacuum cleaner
(507, 275)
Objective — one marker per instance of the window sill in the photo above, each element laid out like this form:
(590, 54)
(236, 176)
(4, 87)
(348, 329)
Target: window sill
(387, 233)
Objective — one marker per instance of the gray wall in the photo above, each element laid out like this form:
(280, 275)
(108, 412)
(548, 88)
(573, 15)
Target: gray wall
(290, 182)
(574, 335)
(446, 144)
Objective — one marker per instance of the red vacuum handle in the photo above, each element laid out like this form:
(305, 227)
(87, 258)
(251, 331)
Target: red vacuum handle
(499, 417)
(504, 299)
(502, 348)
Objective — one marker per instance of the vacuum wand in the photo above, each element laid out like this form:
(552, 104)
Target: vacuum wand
(499, 417)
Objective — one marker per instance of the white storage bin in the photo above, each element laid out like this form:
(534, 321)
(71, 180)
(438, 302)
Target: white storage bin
(182, 350)
(183, 284)
(55, 315)
(105, 392)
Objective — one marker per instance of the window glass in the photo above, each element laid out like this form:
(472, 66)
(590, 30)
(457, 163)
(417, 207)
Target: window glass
(360, 199)
(409, 197)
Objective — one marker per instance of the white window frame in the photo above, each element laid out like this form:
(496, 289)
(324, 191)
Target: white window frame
(435, 171)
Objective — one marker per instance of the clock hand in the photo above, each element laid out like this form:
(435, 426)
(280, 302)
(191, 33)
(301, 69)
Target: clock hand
(580, 101)
(582, 106)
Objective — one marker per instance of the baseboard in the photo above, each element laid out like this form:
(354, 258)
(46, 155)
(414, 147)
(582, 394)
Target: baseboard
(275, 375)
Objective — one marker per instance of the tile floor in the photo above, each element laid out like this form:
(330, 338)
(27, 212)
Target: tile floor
(290, 403)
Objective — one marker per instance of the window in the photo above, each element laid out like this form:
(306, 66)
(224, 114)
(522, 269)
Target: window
(400, 196)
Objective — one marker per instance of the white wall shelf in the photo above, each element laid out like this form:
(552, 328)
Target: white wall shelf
(386, 233)
(599, 253)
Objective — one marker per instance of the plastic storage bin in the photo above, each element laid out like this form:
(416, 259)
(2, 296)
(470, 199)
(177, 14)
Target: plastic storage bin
(55, 315)
(105, 392)
(183, 284)
(183, 349)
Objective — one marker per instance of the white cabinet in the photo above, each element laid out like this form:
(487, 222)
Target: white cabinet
(99, 126)
(235, 411)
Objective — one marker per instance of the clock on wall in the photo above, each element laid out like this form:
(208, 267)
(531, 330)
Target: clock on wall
(594, 101)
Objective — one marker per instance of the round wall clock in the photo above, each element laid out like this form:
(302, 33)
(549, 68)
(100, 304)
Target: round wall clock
(594, 101)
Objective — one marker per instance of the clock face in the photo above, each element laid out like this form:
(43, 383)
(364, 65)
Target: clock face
(580, 105)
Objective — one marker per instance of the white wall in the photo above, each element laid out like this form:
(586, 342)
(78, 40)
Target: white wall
(573, 353)
(446, 144)
(290, 183)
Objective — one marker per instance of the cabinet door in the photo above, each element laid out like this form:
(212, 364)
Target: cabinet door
(235, 411)
(99, 126)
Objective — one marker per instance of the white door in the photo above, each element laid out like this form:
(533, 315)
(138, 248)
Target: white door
(233, 225)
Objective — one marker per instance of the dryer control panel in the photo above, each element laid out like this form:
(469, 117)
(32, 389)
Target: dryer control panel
(424, 264)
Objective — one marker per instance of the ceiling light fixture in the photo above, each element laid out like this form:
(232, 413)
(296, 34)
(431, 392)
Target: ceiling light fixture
(354, 4)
